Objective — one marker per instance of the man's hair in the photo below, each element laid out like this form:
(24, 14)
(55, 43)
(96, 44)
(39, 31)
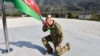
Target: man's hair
(48, 16)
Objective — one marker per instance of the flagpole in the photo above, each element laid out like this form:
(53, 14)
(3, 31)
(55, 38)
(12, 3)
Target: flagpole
(5, 29)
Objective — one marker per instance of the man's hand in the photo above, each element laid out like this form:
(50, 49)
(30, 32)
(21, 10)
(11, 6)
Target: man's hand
(44, 28)
(58, 47)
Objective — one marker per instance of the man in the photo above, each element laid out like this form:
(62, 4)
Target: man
(56, 37)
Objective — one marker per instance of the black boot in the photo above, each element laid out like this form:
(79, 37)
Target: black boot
(49, 51)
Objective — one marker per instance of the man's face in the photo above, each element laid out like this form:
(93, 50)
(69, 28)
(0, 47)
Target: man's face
(49, 21)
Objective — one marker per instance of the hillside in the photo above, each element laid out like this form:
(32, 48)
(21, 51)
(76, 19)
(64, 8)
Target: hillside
(68, 5)
(61, 6)
(74, 5)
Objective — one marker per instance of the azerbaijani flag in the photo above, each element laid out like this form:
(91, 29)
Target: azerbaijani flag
(27, 6)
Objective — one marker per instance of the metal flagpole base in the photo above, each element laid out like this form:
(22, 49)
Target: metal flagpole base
(6, 51)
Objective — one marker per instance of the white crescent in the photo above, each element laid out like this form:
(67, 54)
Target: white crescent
(30, 3)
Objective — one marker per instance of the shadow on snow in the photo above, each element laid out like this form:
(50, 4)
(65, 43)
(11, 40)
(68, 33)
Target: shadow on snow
(28, 45)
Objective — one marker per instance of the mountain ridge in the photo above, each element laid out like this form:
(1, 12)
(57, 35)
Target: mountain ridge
(75, 5)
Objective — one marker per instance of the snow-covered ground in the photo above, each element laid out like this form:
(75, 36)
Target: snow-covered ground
(25, 35)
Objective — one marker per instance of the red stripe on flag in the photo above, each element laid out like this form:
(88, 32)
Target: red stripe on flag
(32, 4)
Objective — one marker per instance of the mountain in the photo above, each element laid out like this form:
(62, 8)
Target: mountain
(74, 5)
(62, 5)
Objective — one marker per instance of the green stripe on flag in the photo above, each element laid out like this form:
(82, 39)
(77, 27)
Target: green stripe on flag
(21, 6)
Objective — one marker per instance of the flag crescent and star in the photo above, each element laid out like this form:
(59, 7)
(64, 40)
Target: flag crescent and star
(28, 7)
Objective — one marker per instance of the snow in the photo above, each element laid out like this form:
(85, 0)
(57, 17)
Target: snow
(25, 35)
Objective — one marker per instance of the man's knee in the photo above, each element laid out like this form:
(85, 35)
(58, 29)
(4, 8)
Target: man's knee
(44, 40)
(58, 52)
(58, 49)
